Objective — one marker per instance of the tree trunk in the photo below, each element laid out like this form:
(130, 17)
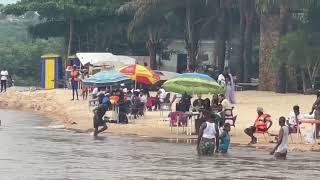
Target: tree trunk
(304, 88)
(192, 38)
(221, 38)
(242, 40)
(269, 39)
(289, 82)
(71, 27)
(152, 48)
(247, 53)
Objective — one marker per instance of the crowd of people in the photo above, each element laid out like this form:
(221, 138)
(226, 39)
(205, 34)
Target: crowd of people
(209, 140)
(215, 116)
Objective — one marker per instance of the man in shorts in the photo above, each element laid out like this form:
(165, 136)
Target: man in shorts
(99, 113)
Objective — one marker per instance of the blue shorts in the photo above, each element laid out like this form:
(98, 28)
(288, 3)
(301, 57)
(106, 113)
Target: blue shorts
(74, 84)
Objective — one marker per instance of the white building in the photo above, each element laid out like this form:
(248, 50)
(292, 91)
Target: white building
(175, 58)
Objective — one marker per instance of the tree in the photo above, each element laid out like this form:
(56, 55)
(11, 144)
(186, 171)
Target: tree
(300, 49)
(69, 18)
(149, 16)
(273, 25)
(247, 17)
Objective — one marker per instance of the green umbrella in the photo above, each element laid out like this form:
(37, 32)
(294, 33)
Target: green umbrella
(193, 86)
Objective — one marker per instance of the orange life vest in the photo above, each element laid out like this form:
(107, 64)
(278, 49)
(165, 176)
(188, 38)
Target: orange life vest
(74, 75)
(261, 121)
(114, 99)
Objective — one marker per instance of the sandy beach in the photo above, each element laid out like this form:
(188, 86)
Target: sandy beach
(76, 115)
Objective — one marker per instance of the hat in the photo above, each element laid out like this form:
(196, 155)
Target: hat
(74, 65)
(260, 109)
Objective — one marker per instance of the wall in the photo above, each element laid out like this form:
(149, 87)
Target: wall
(176, 47)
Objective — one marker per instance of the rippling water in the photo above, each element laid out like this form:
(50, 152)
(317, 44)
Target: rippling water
(30, 150)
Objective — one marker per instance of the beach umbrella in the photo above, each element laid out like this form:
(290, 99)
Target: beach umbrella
(107, 78)
(192, 86)
(140, 74)
(166, 75)
(195, 75)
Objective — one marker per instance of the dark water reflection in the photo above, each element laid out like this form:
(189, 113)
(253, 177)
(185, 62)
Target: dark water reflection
(29, 150)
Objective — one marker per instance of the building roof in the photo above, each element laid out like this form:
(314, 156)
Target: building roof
(105, 59)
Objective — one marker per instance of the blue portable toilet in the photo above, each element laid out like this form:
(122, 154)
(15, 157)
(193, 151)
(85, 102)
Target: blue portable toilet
(51, 71)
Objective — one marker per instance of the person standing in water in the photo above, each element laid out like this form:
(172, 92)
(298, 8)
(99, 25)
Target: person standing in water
(99, 112)
(225, 139)
(281, 149)
(74, 79)
(316, 110)
(208, 138)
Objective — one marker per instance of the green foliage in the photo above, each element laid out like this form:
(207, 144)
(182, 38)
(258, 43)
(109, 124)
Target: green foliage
(297, 48)
(20, 54)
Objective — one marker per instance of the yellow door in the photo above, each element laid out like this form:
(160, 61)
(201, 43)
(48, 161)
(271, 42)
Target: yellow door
(49, 74)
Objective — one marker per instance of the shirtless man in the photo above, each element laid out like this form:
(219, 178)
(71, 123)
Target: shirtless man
(281, 149)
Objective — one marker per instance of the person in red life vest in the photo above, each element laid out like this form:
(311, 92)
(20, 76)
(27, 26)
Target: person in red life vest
(74, 79)
(262, 123)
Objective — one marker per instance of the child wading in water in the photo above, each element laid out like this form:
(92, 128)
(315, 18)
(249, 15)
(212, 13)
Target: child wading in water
(224, 139)
(281, 149)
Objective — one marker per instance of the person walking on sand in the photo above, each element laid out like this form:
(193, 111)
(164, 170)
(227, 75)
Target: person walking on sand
(281, 149)
(99, 112)
(4, 78)
(208, 138)
(230, 86)
(74, 79)
(316, 110)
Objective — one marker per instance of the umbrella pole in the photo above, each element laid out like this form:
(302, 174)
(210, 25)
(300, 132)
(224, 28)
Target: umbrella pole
(135, 82)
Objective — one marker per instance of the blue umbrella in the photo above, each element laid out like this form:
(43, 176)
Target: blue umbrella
(195, 75)
(107, 78)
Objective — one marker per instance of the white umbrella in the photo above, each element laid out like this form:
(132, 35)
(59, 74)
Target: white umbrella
(166, 75)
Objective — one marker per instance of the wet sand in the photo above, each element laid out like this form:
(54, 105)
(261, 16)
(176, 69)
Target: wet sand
(76, 115)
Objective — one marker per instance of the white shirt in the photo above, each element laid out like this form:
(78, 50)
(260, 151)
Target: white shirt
(95, 91)
(221, 80)
(162, 94)
(4, 75)
(292, 118)
(143, 98)
(210, 131)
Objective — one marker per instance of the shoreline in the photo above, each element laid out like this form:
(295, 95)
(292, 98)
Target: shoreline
(76, 116)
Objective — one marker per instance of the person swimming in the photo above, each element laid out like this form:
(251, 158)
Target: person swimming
(224, 139)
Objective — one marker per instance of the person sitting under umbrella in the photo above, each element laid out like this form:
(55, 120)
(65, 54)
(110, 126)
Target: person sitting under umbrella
(198, 104)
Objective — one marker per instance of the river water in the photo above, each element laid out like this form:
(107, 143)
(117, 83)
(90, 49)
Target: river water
(31, 150)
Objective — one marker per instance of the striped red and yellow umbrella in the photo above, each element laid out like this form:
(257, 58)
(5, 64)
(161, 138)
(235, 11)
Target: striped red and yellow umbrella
(140, 74)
